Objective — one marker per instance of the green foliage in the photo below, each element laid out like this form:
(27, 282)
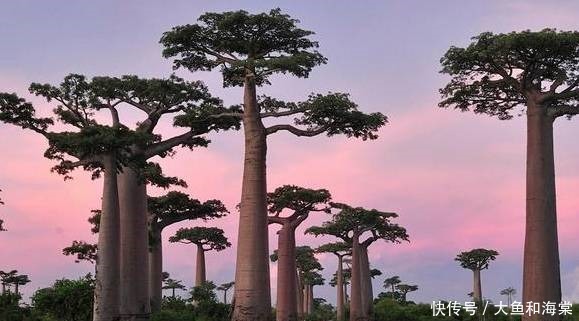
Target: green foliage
(154, 175)
(210, 238)
(84, 251)
(499, 72)
(476, 259)
(241, 43)
(337, 248)
(322, 311)
(66, 300)
(177, 206)
(298, 199)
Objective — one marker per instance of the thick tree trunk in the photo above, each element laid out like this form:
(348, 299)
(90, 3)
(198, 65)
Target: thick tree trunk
(286, 308)
(477, 289)
(135, 304)
(200, 277)
(340, 312)
(356, 309)
(156, 270)
(252, 288)
(306, 300)
(107, 292)
(225, 297)
(366, 282)
(541, 274)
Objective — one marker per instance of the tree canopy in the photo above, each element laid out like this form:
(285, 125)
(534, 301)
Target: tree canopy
(210, 238)
(337, 248)
(84, 251)
(498, 73)
(476, 259)
(238, 43)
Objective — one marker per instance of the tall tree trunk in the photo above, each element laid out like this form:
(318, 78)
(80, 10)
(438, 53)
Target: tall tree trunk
(477, 289)
(107, 291)
(541, 274)
(306, 299)
(346, 296)
(200, 277)
(300, 296)
(310, 299)
(135, 304)
(225, 297)
(252, 288)
(356, 309)
(16, 289)
(366, 282)
(286, 309)
(156, 270)
(340, 313)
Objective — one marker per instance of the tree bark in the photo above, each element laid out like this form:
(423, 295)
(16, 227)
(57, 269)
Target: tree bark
(156, 270)
(107, 291)
(306, 300)
(252, 288)
(310, 299)
(541, 274)
(200, 277)
(135, 304)
(300, 296)
(286, 309)
(477, 289)
(356, 309)
(366, 282)
(225, 297)
(340, 312)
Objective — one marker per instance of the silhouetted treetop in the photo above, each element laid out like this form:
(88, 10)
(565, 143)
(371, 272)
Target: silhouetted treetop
(241, 43)
(476, 259)
(210, 238)
(498, 72)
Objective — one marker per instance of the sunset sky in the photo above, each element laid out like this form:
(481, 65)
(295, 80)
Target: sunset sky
(456, 179)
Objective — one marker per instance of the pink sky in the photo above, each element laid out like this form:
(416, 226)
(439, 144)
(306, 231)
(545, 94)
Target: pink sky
(456, 179)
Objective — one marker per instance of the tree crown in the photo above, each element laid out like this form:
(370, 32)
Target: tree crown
(210, 238)
(476, 259)
(84, 251)
(242, 44)
(497, 73)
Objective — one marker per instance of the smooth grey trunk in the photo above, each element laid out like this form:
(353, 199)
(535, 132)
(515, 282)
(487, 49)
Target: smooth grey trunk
(252, 287)
(135, 299)
(156, 270)
(541, 271)
(356, 309)
(200, 277)
(366, 281)
(306, 300)
(107, 291)
(310, 299)
(224, 296)
(286, 307)
(340, 312)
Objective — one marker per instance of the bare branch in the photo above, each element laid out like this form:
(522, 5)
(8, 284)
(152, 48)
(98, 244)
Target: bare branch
(296, 131)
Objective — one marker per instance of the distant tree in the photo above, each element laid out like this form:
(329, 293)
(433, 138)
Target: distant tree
(536, 72)
(7, 279)
(405, 289)
(206, 239)
(2, 229)
(19, 280)
(310, 279)
(225, 287)
(289, 206)
(83, 251)
(509, 293)
(391, 282)
(248, 49)
(66, 300)
(171, 284)
(339, 249)
(351, 224)
(476, 260)
(164, 211)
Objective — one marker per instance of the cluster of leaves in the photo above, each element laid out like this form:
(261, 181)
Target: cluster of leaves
(66, 300)
(210, 238)
(241, 43)
(476, 259)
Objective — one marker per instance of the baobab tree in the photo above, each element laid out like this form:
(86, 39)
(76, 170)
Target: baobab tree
(509, 293)
(164, 211)
(206, 239)
(82, 250)
(299, 202)
(248, 49)
(340, 250)
(7, 279)
(2, 229)
(351, 224)
(391, 282)
(499, 74)
(476, 260)
(405, 289)
(19, 280)
(173, 285)
(225, 287)
(309, 280)
(112, 149)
